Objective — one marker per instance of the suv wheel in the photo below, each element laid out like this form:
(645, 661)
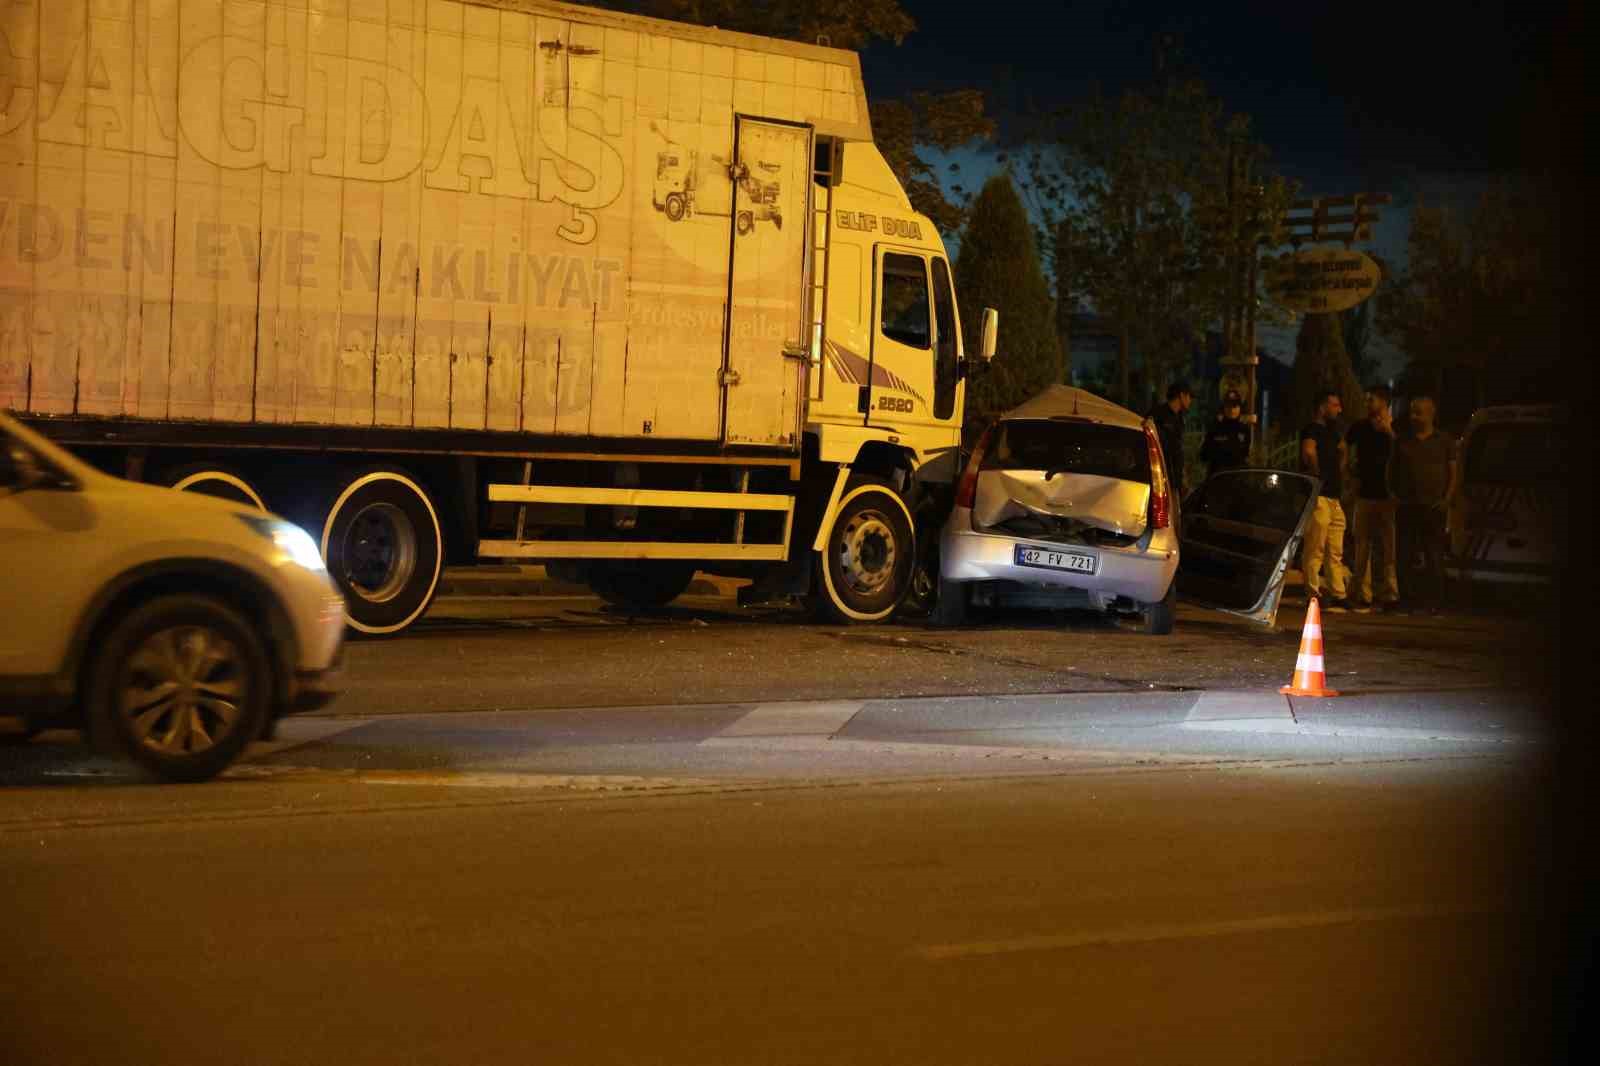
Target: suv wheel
(1159, 617)
(181, 685)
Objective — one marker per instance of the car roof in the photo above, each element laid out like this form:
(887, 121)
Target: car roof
(1064, 401)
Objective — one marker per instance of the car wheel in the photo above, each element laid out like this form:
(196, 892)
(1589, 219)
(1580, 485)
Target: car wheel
(950, 608)
(383, 547)
(675, 207)
(180, 684)
(639, 585)
(1159, 617)
(868, 556)
(214, 479)
(745, 222)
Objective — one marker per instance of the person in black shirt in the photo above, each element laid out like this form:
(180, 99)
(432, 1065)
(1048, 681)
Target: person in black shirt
(1372, 439)
(1168, 418)
(1227, 444)
(1322, 453)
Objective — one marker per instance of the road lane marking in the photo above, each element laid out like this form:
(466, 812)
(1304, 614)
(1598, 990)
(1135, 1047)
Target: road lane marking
(1154, 933)
(514, 779)
(1236, 707)
(300, 732)
(794, 719)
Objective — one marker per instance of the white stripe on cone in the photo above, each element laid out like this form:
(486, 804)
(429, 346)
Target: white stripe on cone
(1308, 663)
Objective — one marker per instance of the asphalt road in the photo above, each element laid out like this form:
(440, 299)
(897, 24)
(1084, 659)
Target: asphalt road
(542, 831)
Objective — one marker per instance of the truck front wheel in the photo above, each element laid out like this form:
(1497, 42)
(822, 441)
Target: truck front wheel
(869, 555)
(383, 547)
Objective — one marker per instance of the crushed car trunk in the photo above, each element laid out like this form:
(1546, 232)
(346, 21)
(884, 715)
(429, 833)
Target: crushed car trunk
(1063, 507)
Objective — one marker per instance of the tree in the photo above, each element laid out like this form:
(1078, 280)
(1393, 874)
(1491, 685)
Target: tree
(944, 122)
(940, 121)
(1321, 362)
(1355, 325)
(1167, 197)
(998, 266)
(1480, 300)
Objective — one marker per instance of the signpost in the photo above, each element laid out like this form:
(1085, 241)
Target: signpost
(1322, 280)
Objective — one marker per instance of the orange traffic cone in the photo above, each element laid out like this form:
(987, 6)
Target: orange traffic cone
(1309, 678)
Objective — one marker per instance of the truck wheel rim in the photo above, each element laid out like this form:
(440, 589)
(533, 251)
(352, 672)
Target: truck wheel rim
(182, 689)
(380, 552)
(867, 552)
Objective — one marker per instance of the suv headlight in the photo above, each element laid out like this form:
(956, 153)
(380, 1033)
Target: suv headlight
(294, 542)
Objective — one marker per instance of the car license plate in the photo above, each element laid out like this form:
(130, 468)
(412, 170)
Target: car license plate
(1077, 562)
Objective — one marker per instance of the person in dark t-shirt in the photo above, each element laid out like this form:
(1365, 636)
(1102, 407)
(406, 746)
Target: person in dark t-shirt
(1322, 452)
(1372, 440)
(1422, 475)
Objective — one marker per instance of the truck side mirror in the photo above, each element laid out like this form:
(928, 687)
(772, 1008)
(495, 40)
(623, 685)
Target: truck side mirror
(991, 332)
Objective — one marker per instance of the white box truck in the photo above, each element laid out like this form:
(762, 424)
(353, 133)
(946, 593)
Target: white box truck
(502, 279)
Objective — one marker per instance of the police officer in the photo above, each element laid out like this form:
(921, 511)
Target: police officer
(1168, 418)
(1227, 444)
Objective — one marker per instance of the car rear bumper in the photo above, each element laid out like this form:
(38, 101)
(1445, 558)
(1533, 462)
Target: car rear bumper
(1143, 575)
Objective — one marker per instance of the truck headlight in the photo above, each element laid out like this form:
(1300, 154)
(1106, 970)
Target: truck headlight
(290, 539)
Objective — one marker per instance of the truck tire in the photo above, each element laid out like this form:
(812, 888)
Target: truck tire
(744, 222)
(639, 585)
(180, 684)
(869, 554)
(384, 550)
(214, 479)
(676, 207)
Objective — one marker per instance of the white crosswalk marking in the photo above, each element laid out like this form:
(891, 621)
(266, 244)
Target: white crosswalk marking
(794, 719)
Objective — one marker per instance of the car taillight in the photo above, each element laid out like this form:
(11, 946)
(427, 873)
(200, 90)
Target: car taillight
(967, 488)
(1160, 495)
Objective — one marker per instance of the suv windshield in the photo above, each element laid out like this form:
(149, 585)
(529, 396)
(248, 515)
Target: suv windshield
(1511, 455)
(1070, 446)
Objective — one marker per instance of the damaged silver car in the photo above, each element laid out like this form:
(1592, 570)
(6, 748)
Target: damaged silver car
(1066, 503)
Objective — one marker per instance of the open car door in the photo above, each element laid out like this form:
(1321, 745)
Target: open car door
(1237, 533)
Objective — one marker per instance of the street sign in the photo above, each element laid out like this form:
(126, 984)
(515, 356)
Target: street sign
(1321, 280)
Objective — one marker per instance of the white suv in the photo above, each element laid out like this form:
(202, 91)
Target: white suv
(171, 626)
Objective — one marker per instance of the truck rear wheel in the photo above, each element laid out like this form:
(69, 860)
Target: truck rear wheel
(383, 547)
(214, 479)
(869, 555)
(639, 585)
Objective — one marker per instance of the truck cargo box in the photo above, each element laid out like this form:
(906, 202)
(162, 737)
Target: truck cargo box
(524, 216)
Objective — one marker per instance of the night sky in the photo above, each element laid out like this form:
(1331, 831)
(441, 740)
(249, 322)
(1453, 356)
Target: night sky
(1337, 91)
(1420, 101)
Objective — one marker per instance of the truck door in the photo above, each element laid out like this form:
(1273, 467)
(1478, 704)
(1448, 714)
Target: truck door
(902, 344)
(1237, 533)
(763, 387)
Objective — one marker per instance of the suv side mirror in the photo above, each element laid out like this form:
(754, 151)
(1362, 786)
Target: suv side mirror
(991, 333)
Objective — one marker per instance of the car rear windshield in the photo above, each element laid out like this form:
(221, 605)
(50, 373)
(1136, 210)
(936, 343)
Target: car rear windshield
(1511, 455)
(1070, 446)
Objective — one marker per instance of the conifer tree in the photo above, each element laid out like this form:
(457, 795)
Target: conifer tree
(998, 266)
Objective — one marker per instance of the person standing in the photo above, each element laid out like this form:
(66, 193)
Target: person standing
(1227, 444)
(1422, 475)
(1322, 455)
(1168, 418)
(1372, 440)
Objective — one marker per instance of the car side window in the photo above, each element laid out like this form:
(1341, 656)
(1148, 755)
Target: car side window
(905, 300)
